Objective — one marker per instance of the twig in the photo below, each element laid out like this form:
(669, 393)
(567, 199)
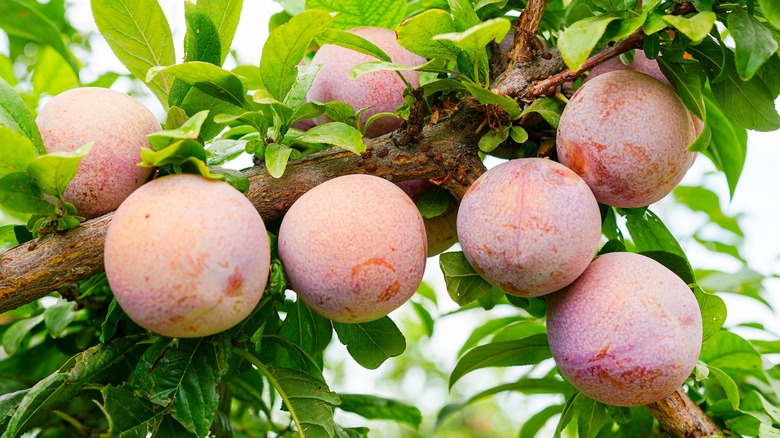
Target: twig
(525, 47)
(680, 417)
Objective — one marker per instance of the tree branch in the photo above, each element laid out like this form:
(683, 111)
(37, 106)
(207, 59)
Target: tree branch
(525, 48)
(680, 417)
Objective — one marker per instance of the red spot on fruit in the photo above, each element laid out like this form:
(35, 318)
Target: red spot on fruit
(390, 292)
(234, 284)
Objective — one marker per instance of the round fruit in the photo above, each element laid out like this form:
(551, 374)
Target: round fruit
(529, 226)
(641, 63)
(180, 267)
(627, 135)
(353, 248)
(118, 124)
(380, 90)
(627, 332)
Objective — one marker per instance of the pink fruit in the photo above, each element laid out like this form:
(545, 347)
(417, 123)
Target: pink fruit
(180, 267)
(118, 124)
(353, 248)
(381, 90)
(529, 226)
(627, 135)
(641, 63)
(627, 332)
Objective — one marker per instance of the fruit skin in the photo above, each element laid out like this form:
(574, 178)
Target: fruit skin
(180, 267)
(353, 248)
(529, 226)
(440, 230)
(641, 63)
(628, 332)
(381, 90)
(119, 125)
(627, 135)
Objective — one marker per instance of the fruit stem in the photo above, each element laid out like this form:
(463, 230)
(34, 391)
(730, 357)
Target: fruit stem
(680, 417)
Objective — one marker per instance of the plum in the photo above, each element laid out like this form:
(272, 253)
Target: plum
(627, 135)
(381, 90)
(641, 63)
(529, 226)
(181, 267)
(627, 332)
(118, 124)
(353, 248)
(441, 230)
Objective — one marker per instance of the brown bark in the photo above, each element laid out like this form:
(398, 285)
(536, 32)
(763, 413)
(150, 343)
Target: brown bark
(680, 417)
(525, 48)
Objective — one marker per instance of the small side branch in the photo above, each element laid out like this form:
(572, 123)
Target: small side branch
(525, 47)
(680, 417)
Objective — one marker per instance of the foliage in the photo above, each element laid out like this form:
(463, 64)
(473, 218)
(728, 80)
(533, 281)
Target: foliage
(75, 364)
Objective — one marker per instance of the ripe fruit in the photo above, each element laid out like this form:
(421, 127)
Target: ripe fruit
(353, 248)
(118, 124)
(381, 90)
(627, 332)
(627, 135)
(180, 267)
(641, 63)
(441, 230)
(529, 226)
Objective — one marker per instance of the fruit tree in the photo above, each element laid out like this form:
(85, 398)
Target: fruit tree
(483, 181)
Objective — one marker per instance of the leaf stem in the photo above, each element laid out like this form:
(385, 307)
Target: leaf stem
(267, 373)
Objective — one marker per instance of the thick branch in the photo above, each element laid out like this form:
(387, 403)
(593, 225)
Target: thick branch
(680, 417)
(525, 47)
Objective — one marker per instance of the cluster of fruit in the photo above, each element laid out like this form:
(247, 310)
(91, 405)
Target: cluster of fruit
(622, 328)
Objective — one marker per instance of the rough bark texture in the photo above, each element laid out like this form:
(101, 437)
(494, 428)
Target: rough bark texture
(680, 417)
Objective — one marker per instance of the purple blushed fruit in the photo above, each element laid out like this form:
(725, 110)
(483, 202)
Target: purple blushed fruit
(627, 332)
(353, 248)
(529, 226)
(186, 256)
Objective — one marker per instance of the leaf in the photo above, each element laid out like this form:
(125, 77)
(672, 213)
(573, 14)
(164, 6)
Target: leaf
(579, 39)
(355, 13)
(58, 317)
(518, 134)
(527, 351)
(650, 234)
(371, 343)
(206, 77)
(20, 19)
(590, 416)
(567, 413)
(52, 74)
(463, 283)
(52, 172)
(771, 10)
(309, 398)
(674, 263)
(728, 144)
(297, 94)
(474, 39)
(463, 14)
(729, 386)
(225, 15)
(284, 49)
(129, 415)
(16, 332)
(688, 80)
(548, 107)
(175, 154)
(306, 329)
(185, 373)
(354, 42)
(190, 130)
(727, 350)
(416, 35)
(139, 36)
(276, 156)
(19, 193)
(224, 150)
(15, 114)
(57, 389)
(492, 139)
(433, 202)
(706, 201)
(488, 97)
(379, 408)
(754, 43)
(16, 151)
(336, 134)
(696, 28)
(533, 425)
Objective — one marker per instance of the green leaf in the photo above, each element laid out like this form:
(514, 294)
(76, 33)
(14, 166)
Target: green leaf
(590, 416)
(52, 172)
(463, 14)
(433, 202)
(221, 151)
(463, 283)
(380, 408)
(353, 42)
(52, 74)
(237, 179)
(567, 413)
(284, 49)
(58, 317)
(579, 39)
(701, 199)
(206, 77)
(57, 389)
(276, 156)
(18, 18)
(650, 234)
(184, 373)
(549, 108)
(297, 94)
(728, 350)
(140, 37)
(15, 114)
(527, 351)
(533, 425)
(729, 386)
(336, 134)
(175, 154)
(488, 97)
(696, 28)
(129, 415)
(17, 332)
(688, 80)
(492, 139)
(771, 10)
(16, 151)
(518, 134)
(674, 263)
(197, 101)
(19, 193)
(190, 130)
(754, 43)
(371, 343)
(416, 35)
(728, 144)
(309, 398)
(225, 15)
(355, 13)
(474, 39)
(434, 66)
(308, 330)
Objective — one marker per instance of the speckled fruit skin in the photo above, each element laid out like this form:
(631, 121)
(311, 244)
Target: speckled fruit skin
(441, 230)
(353, 248)
(627, 135)
(186, 256)
(381, 90)
(641, 63)
(627, 332)
(529, 226)
(118, 124)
